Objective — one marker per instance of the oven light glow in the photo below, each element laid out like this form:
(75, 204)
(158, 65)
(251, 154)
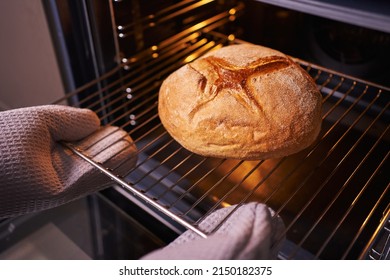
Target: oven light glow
(222, 203)
(225, 204)
(231, 37)
(132, 119)
(193, 56)
(232, 11)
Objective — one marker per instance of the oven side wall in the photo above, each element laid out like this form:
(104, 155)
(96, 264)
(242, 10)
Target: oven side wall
(29, 73)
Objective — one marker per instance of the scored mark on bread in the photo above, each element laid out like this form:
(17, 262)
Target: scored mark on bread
(217, 74)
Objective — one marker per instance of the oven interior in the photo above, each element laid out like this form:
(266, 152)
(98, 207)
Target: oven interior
(333, 197)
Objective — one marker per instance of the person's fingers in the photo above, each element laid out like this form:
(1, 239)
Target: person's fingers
(37, 172)
(68, 123)
(252, 232)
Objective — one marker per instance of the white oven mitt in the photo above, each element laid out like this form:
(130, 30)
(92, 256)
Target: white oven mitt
(251, 232)
(37, 172)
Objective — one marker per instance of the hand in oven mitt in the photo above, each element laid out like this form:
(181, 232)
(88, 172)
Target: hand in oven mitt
(251, 232)
(37, 172)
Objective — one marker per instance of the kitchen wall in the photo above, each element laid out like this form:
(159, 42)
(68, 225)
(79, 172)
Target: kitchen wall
(29, 73)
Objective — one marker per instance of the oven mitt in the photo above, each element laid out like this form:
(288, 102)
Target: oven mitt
(251, 232)
(37, 172)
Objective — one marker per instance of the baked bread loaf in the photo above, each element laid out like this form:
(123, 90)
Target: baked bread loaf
(243, 102)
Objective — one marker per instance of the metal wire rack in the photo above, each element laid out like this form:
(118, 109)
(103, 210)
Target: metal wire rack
(331, 196)
(379, 246)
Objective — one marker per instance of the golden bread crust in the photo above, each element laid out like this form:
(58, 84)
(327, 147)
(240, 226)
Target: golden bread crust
(241, 101)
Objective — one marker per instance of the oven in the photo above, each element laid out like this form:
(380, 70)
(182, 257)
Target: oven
(113, 56)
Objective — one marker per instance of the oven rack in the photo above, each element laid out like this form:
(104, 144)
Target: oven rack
(331, 196)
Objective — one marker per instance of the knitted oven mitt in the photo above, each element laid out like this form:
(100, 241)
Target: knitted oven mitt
(252, 232)
(37, 172)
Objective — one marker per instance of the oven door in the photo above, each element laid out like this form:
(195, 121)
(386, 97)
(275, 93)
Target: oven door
(101, 226)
